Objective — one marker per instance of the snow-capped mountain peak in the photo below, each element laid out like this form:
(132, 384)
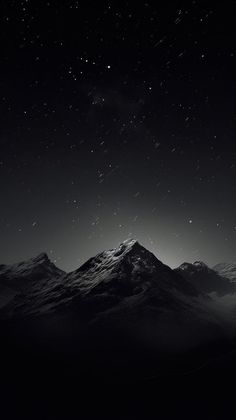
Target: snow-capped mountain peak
(130, 248)
(125, 247)
(124, 271)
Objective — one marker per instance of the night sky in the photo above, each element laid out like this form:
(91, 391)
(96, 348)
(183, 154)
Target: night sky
(117, 120)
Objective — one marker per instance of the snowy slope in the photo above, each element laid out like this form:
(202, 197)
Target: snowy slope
(227, 270)
(18, 281)
(126, 270)
(39, 267)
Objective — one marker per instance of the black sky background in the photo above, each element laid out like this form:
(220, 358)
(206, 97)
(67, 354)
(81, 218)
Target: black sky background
(117, 120)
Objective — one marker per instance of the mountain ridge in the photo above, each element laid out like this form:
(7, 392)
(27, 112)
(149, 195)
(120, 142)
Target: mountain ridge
(106, 279)
(125, 293)
(126, 276)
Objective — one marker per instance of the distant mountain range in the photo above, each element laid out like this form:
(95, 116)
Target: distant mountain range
(218, 279)
(126, 273)
(104, 281)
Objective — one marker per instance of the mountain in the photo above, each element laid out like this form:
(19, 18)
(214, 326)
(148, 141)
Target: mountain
(128, 272)
(124, 272)
(226, 270)
(36, 268)
(121, 306)
(125, 287)
(21, 278)
(205, 279)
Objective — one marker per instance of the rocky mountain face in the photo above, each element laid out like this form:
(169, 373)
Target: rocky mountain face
(205, 279)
